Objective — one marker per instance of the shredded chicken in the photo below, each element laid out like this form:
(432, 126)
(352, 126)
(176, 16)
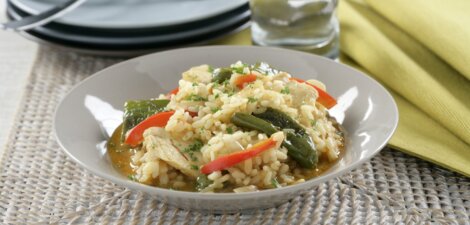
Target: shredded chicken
(301, 93)
(163, 149)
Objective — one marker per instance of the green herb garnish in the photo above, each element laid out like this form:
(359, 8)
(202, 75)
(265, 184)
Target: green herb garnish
(238, 70)
(252, 100)
(202, 182)
(285, 91)
(195, 98)
(132, 177)
(191, 149)
(215, 109)
(229, 130)
(275, 183)
(313, 123)
(195, 167)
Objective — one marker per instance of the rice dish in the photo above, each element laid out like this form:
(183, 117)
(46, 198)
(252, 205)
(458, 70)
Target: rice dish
(237, 129)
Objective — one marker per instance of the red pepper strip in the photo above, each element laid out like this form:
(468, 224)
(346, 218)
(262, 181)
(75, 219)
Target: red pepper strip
(136, 134)
(323, 98)
(242, 80)
(229, 160)
(173, 92)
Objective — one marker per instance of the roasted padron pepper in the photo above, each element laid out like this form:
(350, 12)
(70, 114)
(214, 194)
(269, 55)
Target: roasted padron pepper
(221, 75)
(139, 110)
(299, 145)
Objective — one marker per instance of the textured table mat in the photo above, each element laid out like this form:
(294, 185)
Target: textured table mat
(40, 184)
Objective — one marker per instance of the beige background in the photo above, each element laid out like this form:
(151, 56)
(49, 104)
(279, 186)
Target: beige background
(16, 58)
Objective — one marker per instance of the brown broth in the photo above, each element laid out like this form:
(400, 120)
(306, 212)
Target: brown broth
(120, 154)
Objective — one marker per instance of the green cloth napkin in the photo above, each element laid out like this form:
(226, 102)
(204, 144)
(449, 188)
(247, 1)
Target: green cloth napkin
(416, 49)
(394, 42)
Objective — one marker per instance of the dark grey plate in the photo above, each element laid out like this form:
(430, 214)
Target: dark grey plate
(109, 39)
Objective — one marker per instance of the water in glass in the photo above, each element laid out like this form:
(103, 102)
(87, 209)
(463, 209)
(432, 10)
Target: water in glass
(308, 25)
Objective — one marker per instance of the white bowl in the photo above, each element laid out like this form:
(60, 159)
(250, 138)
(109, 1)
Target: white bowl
(365, 109)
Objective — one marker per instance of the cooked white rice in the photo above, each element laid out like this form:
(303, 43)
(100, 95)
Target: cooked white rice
(216, 104)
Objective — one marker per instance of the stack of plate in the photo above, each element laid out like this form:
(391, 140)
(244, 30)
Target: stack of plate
(132, 27)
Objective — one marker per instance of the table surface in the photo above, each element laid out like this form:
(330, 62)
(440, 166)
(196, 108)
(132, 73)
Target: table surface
(390, 187)
(16, 58)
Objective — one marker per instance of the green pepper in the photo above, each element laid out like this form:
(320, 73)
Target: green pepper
(301, 149)
(299, 145)
(137, 111)
(280, 119)
(221, 75)
(202, 182)
(253, 123)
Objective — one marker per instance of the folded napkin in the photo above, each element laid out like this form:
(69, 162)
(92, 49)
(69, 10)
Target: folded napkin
(417, 50)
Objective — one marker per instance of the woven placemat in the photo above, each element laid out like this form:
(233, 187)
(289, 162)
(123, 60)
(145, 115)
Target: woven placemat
(40, 184)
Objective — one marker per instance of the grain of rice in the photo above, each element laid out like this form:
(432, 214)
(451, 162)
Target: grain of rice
(246, 181)
(215, 175)
(275, 165)
(284, 169)
(257, 161)
(287, 178)
(266, 157)
(267, 178)
(250, 188)
(247, 166)
(163, 178)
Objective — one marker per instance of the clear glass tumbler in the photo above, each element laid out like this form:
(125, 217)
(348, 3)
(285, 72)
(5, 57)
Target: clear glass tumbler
(307, 25)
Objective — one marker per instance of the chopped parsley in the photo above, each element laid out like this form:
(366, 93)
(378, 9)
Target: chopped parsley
(285, 91)
(195, 167)
(196, 146)
(195, 98)
(252, 100)
(132, 177)
(210, 69)
(202, 182)
(275, 183)
(229, 130)
(216, 96)
(226, 82)
(191, 149)
(195, 84)
(313, 123)
(192, 156)
(215, 109)
(239, 70)
(230, 93)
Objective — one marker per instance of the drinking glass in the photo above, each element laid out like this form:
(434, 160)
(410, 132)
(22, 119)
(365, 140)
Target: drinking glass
(307, 25)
